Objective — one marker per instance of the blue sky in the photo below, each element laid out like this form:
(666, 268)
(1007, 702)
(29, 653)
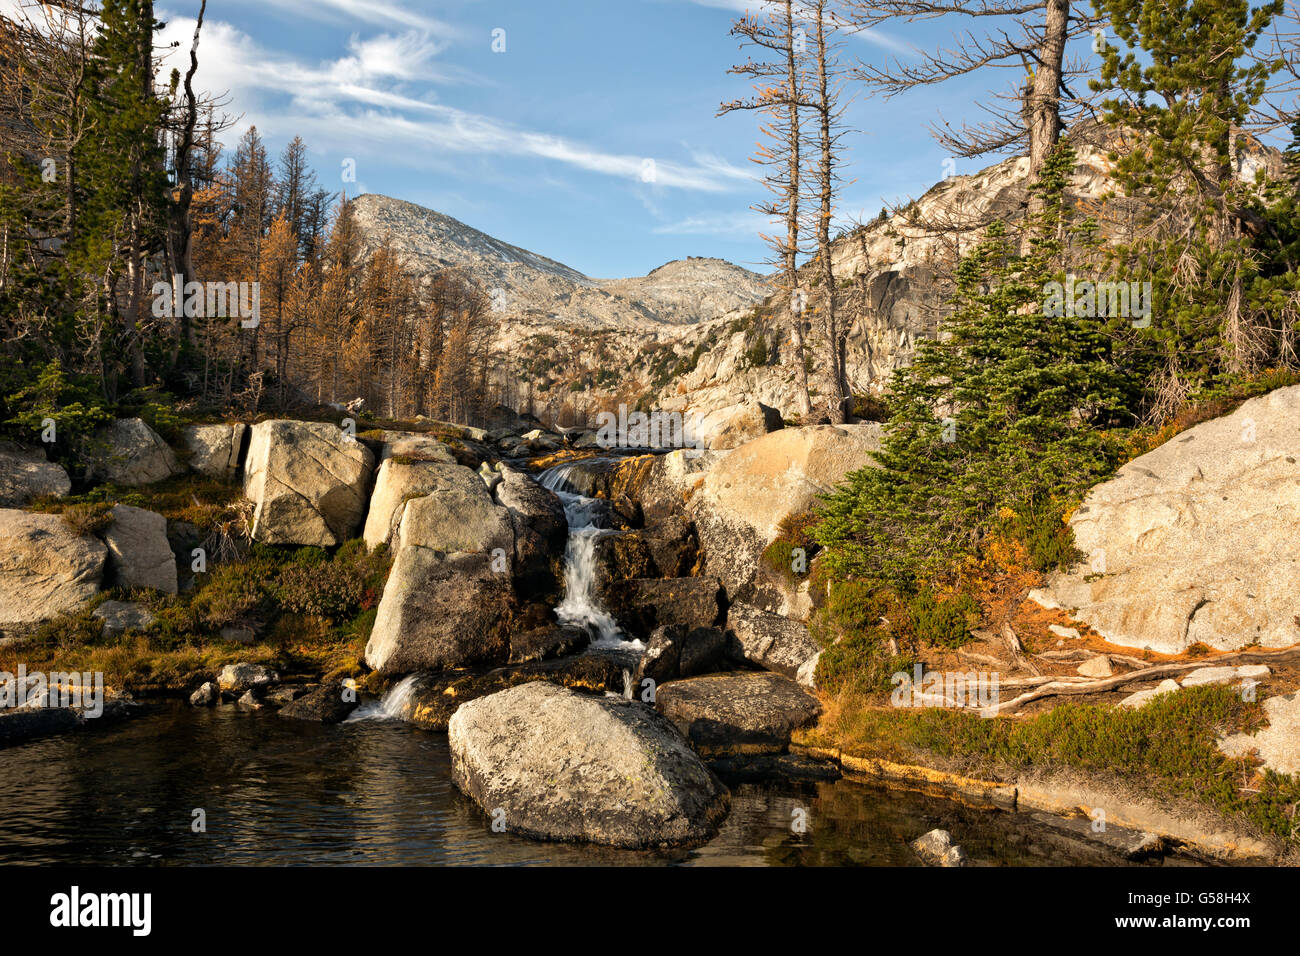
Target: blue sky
(545, 145)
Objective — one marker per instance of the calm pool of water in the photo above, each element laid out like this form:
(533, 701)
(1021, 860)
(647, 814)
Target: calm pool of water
(282, 792)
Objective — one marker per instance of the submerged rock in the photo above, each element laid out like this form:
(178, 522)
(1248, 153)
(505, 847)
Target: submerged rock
(553, 764)
(738, 713)
(936, 848)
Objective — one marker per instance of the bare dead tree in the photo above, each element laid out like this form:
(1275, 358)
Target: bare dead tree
(824, 101)
(1025, 35)
(779, 97)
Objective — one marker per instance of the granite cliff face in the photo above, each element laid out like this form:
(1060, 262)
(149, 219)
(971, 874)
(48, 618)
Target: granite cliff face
(709, 337)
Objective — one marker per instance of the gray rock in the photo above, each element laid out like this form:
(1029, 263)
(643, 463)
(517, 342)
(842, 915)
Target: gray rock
(1278, 744)
(554, 764)
(399, 482)
(675, 652)
(1096, 666)
(1195, 542)
(215, 449)
(130, 453)
(459, 516)
(327, 704)
(26, 476)
(1143, 697)
(308, 482)
(139, 554)
(46, 569)
(239, 635)
(415, 446)
(239, 678)
(251, 701)
(441, 611)
(936, 848)
(122, 616)
(205, 696)
(546, 642)
(1203, 676)
(740, 713)
(744, 498)
(540, 531)
(772, 642)
(643, 604)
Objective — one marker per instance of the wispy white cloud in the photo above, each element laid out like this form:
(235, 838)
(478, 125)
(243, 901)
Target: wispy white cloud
(360, 104)
(874, 37)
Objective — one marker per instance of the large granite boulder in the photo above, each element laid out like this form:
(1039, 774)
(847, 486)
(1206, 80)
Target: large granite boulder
(773, 642)
(441, 611)
(25, 475)
(308, 482)
(139, 553)
(554, 764)
(739, 713)
(745, 497)
(130, 453)
(458, 515)
(46, 568)
(400, 481)
(215, 449)
(1196, 541)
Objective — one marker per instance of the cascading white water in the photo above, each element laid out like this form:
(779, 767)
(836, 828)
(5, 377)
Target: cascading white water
(391, 707)
(580, 607)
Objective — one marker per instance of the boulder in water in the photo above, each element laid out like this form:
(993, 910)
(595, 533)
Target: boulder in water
(554, 764)
(330, 703)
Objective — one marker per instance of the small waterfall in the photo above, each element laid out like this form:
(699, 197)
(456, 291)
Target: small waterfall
(580, 607)
(391, 707)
